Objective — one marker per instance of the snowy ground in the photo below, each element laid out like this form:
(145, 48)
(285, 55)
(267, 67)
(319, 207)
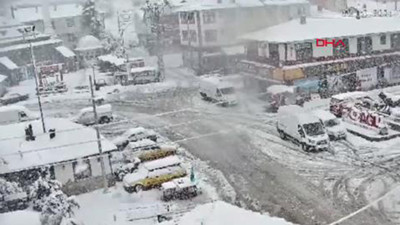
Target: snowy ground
(267, 174)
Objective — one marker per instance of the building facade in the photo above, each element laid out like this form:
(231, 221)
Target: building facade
(327, 48)
(206, 29)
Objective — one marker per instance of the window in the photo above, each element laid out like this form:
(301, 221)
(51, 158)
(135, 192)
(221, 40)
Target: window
(53, 25)
(211, 35)
(383, 39)
(70, 22)
(193, 36)
(184, 35)
(364, 45)
(209, 17)
(395, 41)
(82, 169)
(71, 37)
(303, 51)
(187, 17)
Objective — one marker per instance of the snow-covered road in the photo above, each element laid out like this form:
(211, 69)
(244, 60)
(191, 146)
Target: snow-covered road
(267, 173)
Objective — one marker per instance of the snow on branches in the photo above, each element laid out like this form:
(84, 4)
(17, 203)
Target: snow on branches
(91, 18)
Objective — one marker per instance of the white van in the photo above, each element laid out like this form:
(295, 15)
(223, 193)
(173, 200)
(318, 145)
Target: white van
(219, 91)
(333, 125)
(302, 128)
(86, 115)
(16, 114)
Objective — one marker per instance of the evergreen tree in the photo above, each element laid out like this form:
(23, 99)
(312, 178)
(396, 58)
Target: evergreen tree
(56, 207)
(91, 18)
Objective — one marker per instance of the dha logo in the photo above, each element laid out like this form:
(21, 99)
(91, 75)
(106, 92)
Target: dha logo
(334, 43)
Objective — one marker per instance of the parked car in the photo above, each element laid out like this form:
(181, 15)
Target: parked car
(302, 128)
(338, 103)
(127, 168)
(180, 188)
(11, 202)
(333, 125)
(219, 91)
(16, 114)
(86, 115)
(100, 83)
(133, 135)
(13, 98)
(81, 89)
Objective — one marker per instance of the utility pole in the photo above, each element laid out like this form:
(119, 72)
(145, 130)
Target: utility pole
(25, 31)
(103, 171)
(189, 37)
(153, 13)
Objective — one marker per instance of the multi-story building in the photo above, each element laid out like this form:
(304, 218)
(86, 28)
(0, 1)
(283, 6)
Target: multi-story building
(340, 50)
(205, 29)
(65, 19)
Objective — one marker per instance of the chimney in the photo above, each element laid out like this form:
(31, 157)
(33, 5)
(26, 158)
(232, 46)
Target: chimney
(52, 133)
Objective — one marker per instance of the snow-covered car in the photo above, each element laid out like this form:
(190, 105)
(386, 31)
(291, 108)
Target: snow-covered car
(86, 115)
(133, 135)
(338, 102)
(127, 168)
(81, 89)
(218, 91)
(16, 114)
(13, 98)
(333, 125)
(11, 202)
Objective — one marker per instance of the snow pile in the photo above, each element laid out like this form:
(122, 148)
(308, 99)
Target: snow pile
(20, 218)
(8, 63)
(219, 212)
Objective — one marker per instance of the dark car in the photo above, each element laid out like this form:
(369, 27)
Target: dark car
(13, 98)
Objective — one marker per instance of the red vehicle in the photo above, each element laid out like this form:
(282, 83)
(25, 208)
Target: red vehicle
(338, 102)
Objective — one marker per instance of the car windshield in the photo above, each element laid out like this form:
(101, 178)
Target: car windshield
(332, 123)
(314, 129)
(227, 91)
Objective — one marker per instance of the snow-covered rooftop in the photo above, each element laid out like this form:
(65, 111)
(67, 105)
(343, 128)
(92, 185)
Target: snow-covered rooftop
(5, 61)
(219, 212)
(142, 69)
(29, 14)
(89, 42)
(72, 141)
(276, 89)
(2, 78)
(34, 44)
(226, 4)
(314, 28)
(112, 59)
(66, 52)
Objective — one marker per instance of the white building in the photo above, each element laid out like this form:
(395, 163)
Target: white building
(72, 155)
(65, 19)
(207, 27)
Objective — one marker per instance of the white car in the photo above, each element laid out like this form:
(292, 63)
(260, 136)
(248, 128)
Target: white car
(86, 115)
(133, 135)
(333, 125)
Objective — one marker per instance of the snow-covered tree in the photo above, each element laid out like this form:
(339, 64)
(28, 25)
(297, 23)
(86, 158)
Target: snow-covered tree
(7, 187)
(41, 189)
(91, 18)
(56, 207)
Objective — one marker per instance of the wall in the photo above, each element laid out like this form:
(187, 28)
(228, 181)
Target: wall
(96, 166)
(376, 42)
(291, 55)
(353, 45)
(64, 172)
(281, 50)
(321, 51)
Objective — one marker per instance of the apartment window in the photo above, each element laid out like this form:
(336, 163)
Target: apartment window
(70, 22)
(184, 35)
(364, 45)
(193, 36)
(395, 41)
(71, 37)
(210, 35)
(383, 39)
(187, 17)
(82, 169)
(303, 51)
(209, 17)
(53, 25)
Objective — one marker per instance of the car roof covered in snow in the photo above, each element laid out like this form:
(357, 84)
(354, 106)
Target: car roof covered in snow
(161, 163)
(134, 131)
(72, 141)
(142, 173)
(142, 69)
(306, 118)
(141, 143)
(276, 89)
(12, 108)
(102, 108)
(354, 94)
(323, 114)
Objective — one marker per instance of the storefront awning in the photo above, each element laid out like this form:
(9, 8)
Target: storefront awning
(66, 52)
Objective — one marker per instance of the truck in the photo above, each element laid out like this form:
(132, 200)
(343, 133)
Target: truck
(86, 115)
(338, 103)
(301, 127)
(15, 114)
(333, 125)
(144, 179)
(219, 91)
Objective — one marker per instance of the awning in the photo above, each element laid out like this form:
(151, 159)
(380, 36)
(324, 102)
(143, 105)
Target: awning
(5, 61)
(66, 52)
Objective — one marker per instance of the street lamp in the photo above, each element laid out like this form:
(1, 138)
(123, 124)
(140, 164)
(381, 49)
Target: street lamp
(30, 31)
